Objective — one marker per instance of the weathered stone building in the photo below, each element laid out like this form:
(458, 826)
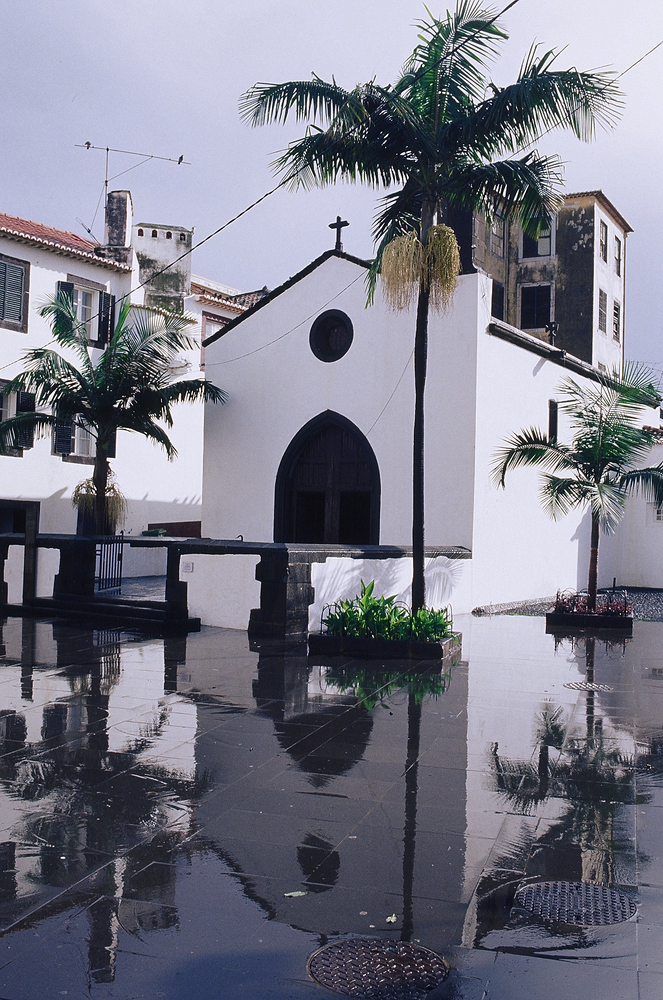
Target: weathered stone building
(567, 287)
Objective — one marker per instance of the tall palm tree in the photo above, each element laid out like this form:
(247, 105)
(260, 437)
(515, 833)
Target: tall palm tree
(598, 469)
(129, 385)
(439, 139)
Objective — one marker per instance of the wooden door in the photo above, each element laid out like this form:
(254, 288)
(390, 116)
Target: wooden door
(333, 495)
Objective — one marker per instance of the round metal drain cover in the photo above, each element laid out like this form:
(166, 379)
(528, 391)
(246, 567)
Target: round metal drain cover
(576, 903)
(587, 686)
(377, 970)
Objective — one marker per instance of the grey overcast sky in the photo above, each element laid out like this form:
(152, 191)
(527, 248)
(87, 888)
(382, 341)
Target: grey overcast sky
(165, 76)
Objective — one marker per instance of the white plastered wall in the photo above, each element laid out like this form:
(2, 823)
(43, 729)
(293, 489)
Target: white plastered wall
(634, 554)
(157, 490)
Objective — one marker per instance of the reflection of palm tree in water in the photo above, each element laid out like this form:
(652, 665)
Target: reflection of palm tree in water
(90, 803)
(587, 773)
(371, 686)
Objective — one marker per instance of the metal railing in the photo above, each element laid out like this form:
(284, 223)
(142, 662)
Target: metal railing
(108, 565)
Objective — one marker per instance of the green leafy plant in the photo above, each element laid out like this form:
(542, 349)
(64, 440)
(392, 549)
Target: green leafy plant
(366, 616)
(372, 686)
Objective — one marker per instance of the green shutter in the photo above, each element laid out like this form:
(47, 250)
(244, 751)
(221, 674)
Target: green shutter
(64, 436)
(25, 403)
(11, 292)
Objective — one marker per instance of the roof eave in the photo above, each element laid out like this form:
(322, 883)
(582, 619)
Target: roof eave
(63, 250)
(284, 287)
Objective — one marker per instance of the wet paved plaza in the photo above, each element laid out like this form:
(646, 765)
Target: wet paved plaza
(193, 817)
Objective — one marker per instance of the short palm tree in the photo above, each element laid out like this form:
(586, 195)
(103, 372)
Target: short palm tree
(129, 385)
(598, 469)
(440, 136)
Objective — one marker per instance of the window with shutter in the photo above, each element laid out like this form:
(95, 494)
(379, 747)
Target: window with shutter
(64, 436)
(106, 317)
(93, 307)
(14, 275)
(25, 403)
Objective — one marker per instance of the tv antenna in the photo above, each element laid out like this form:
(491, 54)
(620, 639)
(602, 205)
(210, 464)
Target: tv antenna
(127, 152)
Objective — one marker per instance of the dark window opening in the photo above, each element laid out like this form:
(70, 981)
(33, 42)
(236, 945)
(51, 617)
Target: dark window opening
(140, 232)
(552, 420)
(497, 301)
(154, 234)
(169, 235)
(540, 247)
(182, 237)
(331, 335)
(534, 307)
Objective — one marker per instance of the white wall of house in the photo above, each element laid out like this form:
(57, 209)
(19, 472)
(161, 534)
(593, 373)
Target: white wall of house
(157, 489)
(608, 349)
(634, 554)
(518, 551)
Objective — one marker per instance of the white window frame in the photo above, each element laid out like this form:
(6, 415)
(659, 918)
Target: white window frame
(617, 306)
(603, 329)
(498, 222)
(603, 246)
(618, 256)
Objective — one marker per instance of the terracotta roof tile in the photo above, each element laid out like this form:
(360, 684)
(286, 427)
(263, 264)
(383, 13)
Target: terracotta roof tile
(58, 239)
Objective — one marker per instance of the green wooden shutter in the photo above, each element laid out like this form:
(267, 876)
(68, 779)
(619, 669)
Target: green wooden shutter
(64, 436)
(11, 292)
(25, 403)
(106, 317)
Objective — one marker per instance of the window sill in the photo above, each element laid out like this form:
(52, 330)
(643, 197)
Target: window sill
(77, 459)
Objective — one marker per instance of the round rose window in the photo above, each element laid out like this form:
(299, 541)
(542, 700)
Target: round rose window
(331, 335)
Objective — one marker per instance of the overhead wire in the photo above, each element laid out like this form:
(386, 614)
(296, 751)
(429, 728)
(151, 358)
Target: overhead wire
(215, 364)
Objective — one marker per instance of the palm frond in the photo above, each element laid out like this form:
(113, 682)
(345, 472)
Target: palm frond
(530, 448)
(13, 430)
(526, 190)
(648, 482)
(309, 99)
(448, 67)
(561, 494)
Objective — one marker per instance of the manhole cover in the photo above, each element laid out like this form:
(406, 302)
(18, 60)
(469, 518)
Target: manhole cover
(576, 903)
(587, 686)
(377, 970)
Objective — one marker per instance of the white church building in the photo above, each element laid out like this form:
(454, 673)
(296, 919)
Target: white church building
(314, 446)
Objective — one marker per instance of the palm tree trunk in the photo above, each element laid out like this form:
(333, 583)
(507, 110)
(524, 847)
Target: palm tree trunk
(420, 365)
(593, 564)
(100, 480)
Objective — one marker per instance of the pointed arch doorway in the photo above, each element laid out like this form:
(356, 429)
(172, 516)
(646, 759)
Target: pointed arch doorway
(328, 486)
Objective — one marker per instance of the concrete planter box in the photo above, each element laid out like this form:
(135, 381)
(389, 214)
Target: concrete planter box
(556, 620)
(322, 644)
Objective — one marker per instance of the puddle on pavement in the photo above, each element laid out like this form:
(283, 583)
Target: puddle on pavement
(177, 809)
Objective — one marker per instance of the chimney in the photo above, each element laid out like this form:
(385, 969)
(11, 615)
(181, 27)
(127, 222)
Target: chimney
(119, 215)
